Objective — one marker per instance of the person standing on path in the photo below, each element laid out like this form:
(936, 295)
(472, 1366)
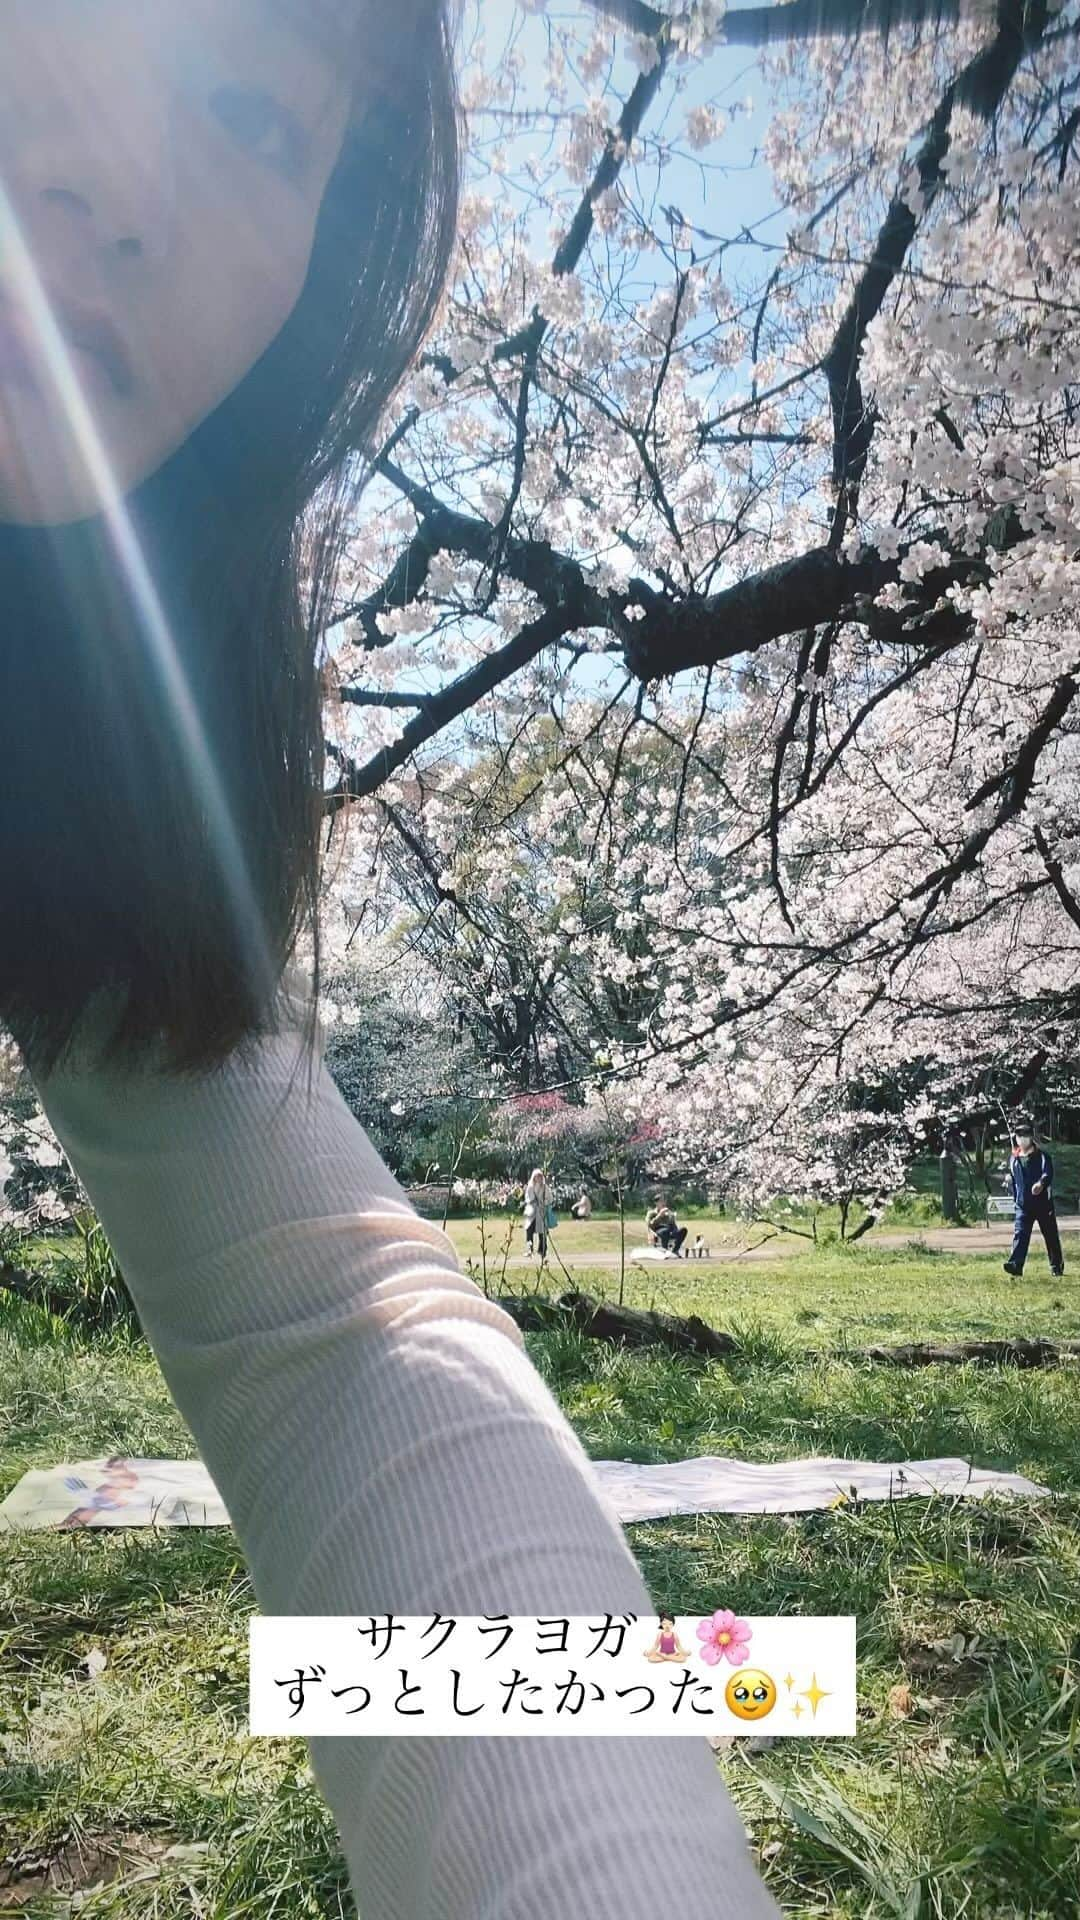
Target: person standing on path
(1033, 1197)
(537, 1202)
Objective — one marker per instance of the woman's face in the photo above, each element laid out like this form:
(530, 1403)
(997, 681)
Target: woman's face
(162, 168)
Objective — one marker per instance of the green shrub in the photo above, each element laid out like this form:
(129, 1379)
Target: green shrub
(87, 1287)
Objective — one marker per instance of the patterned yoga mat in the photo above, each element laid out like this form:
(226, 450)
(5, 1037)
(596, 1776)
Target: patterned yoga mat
(180, 1493)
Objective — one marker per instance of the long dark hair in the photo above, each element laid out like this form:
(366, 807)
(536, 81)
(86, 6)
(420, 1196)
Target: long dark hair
(122, 762)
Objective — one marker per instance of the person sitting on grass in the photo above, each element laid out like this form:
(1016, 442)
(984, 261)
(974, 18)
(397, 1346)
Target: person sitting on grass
(582, 1207)
(656, 1218)
(1033, 1198)
(664, 1229)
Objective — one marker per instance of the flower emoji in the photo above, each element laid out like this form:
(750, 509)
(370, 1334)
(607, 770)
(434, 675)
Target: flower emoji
(723, 1637)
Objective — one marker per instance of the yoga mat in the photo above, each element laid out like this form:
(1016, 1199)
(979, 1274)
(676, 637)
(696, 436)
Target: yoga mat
(180, 1493)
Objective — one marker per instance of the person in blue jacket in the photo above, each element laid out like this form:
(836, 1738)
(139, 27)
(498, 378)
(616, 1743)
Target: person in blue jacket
(1033, 1196)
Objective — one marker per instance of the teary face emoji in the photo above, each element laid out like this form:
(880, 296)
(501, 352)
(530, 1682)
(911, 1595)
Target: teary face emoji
(750, 1693)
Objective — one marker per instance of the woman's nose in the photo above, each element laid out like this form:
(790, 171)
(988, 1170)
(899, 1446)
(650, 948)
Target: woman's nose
(101, 185)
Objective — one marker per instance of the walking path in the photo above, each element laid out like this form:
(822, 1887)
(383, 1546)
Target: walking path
(995, 1239)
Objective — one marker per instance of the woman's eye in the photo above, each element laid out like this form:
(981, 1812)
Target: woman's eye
(262, 127)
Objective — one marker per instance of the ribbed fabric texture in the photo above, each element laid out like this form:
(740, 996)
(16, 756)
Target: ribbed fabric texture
(383, 1444)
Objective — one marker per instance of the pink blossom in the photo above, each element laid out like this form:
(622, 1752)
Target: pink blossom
(723, 1637)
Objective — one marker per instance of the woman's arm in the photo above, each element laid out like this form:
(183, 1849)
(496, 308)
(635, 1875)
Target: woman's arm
(372, 1423)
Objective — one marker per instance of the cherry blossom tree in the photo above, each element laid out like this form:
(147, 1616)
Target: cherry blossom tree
(799, 502)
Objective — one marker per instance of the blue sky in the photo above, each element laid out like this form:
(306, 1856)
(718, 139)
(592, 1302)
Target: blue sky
(725, 187)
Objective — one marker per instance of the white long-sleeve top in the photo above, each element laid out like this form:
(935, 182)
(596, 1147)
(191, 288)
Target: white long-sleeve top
(384, 1445)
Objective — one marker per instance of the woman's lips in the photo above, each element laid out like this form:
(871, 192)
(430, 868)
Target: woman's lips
(91, 335)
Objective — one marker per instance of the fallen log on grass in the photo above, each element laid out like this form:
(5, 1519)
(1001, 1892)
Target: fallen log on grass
(622, 1326)
(33, 1288)
(85, 1314)
(999, 1353)
(636, 1327)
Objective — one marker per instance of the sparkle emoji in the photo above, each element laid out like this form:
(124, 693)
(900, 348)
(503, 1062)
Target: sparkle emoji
(815, 1695)
(750, 1694)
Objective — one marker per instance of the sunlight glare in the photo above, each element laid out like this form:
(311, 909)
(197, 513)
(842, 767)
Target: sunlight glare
(152, 620)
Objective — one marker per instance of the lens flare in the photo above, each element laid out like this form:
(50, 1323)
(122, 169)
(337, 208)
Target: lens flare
(154, 631)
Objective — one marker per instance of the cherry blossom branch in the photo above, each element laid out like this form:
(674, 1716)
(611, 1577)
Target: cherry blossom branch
(521, 428)
(1018, 780)
(534, 564)
(982, 86)
(1057, 878)
(380, 697)
(528, 339)
(784, 739)
(810, 590)
(448, 705)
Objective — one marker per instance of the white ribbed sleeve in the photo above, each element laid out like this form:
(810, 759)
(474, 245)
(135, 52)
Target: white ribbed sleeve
(384, 1444)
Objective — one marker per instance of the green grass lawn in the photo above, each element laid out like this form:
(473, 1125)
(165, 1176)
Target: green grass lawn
(859, 1295)
(960, 1795)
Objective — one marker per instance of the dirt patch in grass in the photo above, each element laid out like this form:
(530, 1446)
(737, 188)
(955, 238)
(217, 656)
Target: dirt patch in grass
(76, 1865)
(951, 1667)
